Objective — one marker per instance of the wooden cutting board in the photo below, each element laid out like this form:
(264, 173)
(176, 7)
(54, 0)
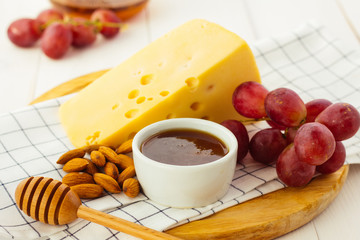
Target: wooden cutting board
(264, 217)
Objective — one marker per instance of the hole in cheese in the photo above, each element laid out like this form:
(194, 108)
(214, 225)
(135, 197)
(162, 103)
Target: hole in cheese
(131, 113)
(186, 65)
(192, 82)
(150, 99)
(116, 105)
(137, 72)
(133, 94)
(210, 87)
(164, 93)
(92, 139)
(170, 115)
(147, 79)
(140, 100)
(161, 64)
(204, 25)
(195, 106)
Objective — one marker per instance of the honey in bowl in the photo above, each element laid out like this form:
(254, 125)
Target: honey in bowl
(183, 147)
(185, 186)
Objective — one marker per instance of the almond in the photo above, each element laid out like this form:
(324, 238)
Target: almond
(125, 147)
(75, 153)
(75, 178)
(107, 182)
(98, 158)
(111, 170)
(75, 165)
(125, 161)
(91, 168)
(131, 187)
(88, 190)
(109, 154)
(128, 172)
(93, 147)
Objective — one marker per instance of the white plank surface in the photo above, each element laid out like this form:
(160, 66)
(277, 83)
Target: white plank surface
(27, 73)
(341, 219)
(18, 67)
(165, 15)
(350, 10)
(277, 16)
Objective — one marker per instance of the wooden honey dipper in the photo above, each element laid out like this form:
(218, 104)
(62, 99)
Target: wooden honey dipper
(52, 202)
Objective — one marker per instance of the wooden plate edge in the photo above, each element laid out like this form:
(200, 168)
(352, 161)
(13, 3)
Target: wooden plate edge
(248, 225)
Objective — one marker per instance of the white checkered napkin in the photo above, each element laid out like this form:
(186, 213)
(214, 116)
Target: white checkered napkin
(306, 60)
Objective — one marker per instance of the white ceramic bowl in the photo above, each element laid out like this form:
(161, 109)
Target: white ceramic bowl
(185, 186)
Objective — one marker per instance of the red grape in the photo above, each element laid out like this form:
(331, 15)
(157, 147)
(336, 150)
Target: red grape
(314, 143)
(56, 40)
(313, 131)
(83, 32)
(335, 162)
(266, 145)
(292, 171)
(248, 99)
(50, 15)
(241, 134)
(275, 125)
(342, 119)
(315, 107)
(106, 18)
(285, 107)
(24, 32)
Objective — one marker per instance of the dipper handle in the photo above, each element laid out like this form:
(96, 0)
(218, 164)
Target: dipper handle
(52, 202)
(121, 225)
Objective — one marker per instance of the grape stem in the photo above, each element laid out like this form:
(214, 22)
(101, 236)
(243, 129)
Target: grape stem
(106, 24)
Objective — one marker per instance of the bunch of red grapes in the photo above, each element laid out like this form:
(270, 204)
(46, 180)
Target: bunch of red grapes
(302, 138)
(57, 32)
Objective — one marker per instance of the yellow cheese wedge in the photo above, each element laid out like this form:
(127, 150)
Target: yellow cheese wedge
(191, 71)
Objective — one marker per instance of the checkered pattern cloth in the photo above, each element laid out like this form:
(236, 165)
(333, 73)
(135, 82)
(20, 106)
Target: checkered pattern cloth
(306, 60)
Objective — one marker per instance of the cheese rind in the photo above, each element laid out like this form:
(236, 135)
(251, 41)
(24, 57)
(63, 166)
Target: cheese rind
(190, 72)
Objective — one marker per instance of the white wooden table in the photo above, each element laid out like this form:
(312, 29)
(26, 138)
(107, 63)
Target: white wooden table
(27, 73)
